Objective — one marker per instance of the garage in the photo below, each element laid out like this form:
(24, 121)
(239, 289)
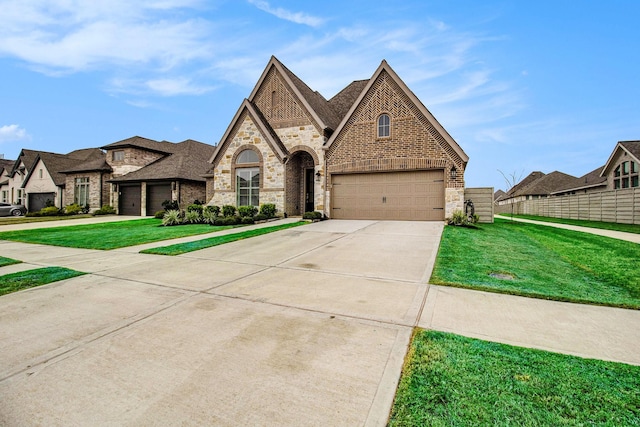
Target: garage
(38, 201)
(130, 200)
(156, 194)
(409, 196)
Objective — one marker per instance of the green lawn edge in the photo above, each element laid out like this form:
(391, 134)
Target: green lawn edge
(448, 379)
(548, 263)
(8, 261)
(109, 235)
(182, 248)
(602, 225)
(14, 282)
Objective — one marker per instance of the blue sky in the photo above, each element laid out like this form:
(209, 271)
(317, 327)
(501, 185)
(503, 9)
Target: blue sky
(521, 85)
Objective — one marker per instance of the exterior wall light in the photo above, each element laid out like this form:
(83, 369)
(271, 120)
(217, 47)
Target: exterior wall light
(454, 173)
(318, 175)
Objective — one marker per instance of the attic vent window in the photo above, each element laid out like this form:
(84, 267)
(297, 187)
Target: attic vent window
(384, 126)
(248, 156)
(118, 156)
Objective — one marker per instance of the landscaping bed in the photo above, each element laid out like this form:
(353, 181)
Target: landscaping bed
(452, 380)
(110, 235)
(542, 262)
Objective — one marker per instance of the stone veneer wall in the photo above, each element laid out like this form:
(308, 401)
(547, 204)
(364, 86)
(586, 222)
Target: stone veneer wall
(453, 201)
(96, 196)
(134, 159)
(189, 192)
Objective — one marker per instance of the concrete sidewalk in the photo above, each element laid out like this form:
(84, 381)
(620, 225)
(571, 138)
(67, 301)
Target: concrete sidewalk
(620, 235)
(67, 222)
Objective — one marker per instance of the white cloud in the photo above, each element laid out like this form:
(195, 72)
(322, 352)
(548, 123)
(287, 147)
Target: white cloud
(296, 17)
(177, 86)
(10, 133)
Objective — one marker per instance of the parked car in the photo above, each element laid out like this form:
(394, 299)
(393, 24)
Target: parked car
(8, 209)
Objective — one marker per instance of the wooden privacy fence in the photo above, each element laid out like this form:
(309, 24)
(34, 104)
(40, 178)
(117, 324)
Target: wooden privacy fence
(482, 198)
(621, 206)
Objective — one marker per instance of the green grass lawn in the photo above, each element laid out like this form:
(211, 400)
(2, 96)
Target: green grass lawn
(37, 277)
(628, 228)
(545, 262)
(8, 220)
(108, 235)
(8, 261)
(449, 380)
(181, 248)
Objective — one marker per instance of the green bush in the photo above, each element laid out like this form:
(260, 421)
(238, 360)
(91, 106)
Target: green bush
(247, 220)
(215, 210)
(227, 220)
(72, 209)
(50, 211)
(268, 209)
(260, 217)
(247, 211)
(86, 209)
(195, 208)
(170, 205)
(312, 215)
(459, 218)
(208, 216)
(192, 217)
(172, 217)
(228, 210)
(159, 214)
(107, 210)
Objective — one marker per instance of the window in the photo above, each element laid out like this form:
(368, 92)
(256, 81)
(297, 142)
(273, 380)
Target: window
(40, 173)
(81, 194)
(20, 198)
(5, 196)
(118, 156)
(617, 171)
(625, 182)
(247, 156)
(625, 168)
(248, 186)
(634, 167)
(384, 126)
(616, 184)
(634, 181)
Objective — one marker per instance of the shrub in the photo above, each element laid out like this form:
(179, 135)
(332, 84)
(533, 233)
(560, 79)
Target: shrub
(198, 202)
(192, 217)
(268, 209)
(459, 218)
(195, 208)
(72, 209)
(260, 217)
(86, 209)
(50, 211)
(107, 210)
(159, 215)
(228, 210)
(208, 216)
(48, 203)
(215, 210)
(312, 215)
(170, 205)
(247, 220)
(247, 211)
(172, 217)
(227, 220)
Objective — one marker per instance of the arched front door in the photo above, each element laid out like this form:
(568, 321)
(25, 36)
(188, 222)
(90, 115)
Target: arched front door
(299, 191)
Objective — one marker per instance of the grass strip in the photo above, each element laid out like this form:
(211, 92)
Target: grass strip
(627, 228)
(450, 380)
(32, 278)
(182, 248)
(545, 262)
(25, 219)
(108, 235)
(8, 261)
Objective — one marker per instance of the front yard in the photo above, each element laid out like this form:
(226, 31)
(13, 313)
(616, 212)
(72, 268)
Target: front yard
(109, 235)
(37, 277)
(541, 262)
(450, 380)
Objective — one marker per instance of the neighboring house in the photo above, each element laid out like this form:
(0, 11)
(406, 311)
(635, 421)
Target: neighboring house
(11, 190)
(498, 195)
(590, 182)
(622, 168)
(5, 170)
(373, 151)
(144, 173)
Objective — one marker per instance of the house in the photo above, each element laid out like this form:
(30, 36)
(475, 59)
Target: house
(373, 151)
(5, 170)
(143, 173)
(589, 182)
(622, 169)
(36, 178)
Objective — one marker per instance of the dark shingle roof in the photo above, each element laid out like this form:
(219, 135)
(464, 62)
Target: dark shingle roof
(498, 195)
(547, 184)
(633, 147)
(525, 182)
(6, 164)
(163, 147)
(189, 160)
(343, 100)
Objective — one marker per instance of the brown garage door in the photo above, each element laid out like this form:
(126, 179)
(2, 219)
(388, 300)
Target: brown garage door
(414, 196)
(156, 194)
(130, 200)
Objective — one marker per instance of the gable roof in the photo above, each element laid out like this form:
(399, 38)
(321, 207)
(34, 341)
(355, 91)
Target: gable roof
(631, 147)
(498, 195)
(163, 147)
(6, 164)
(343, 100)
(525, 182)
(187, 161)
(57, 164)
(385, 67)
(588, 180)
(272, 139)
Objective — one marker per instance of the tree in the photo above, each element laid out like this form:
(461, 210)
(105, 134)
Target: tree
(511, 180)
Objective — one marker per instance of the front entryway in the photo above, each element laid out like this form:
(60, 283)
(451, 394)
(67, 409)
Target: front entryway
(299, 192)
(413, 195)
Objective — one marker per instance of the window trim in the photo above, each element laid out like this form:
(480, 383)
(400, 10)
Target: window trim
(251, 188)
(117, 155)
(81, 190)
(381, 127)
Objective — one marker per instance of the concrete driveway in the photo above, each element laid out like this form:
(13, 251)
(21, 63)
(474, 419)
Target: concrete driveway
(307, 326)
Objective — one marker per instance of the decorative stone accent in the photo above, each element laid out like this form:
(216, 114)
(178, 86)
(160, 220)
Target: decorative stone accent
(454, 200)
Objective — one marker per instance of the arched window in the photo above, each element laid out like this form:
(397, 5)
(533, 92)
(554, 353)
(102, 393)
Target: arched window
(248, 178)
(384, 126)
